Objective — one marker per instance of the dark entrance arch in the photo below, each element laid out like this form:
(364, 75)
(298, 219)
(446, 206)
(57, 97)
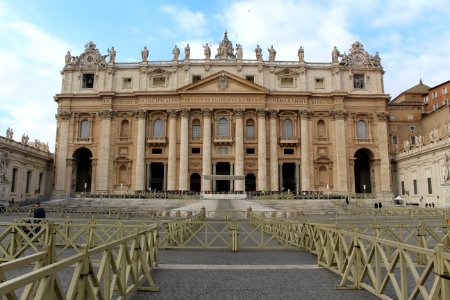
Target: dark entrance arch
(157, 176)
(363, 171)
(223, 168)
(289, 182)
(83, 169)
(195, 182)
(250, 183)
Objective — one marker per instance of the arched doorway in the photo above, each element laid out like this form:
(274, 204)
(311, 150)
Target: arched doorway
(288, 183)
(363, 180)
(195, 182)
(83, 169)
(223, 168)
(250, 183)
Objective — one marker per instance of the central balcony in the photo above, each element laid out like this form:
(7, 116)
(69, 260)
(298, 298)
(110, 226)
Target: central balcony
(289, 141)
(156, 140)
(223, 140)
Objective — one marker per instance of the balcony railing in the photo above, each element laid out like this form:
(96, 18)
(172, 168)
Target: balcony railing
(156, 140)
(289, 140)
(223, 140)
(79, 140)
(363, 141)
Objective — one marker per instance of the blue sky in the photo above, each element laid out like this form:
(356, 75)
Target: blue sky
(411, 36)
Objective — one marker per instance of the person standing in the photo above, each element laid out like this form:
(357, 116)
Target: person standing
(39, 212)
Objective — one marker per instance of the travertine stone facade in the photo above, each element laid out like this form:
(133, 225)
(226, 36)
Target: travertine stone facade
(163, 125)
(26, 169)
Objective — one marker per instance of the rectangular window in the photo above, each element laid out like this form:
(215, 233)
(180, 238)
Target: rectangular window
(157, 151)
(88, 81)
(413, 140)
(159, 81)
(319, 83)
(250, 151)
(410, 117)
(358, 81)
(415, 186)
(127, 83)
(195, 150)
(444, 91)
(402, 183)
(430, 187)
(196, 78)
(425, 99)
(286, 82)
(27, 186)
(412, 128)
(394, 140)
(250, 78)
(289, 151)
(13, 180)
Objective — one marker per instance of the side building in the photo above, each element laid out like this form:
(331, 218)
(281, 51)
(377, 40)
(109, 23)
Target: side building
(26, 169)
(419, 134)
(266, 125)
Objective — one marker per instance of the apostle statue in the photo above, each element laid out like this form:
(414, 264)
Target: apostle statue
(144, 54)
(301, 55)
(272, 53)
(258, 52)
(176, 53)
(207, 51)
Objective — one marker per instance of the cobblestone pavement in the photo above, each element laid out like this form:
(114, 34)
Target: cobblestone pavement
(206, 274)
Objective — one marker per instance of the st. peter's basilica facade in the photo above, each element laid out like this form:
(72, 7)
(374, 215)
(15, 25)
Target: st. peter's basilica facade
(222, 123)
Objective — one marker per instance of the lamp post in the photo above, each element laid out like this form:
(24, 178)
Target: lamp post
(364, 187)
(85, 188)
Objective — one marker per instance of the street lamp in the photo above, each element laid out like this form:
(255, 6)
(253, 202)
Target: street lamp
(85, 187)
(364, 187)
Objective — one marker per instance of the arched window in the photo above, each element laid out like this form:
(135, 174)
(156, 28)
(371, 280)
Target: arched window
(196, 129)
(123, 175)
(158, 128)
(125, 129)
(223, 127)
(250, 129)
(287, 128)
(85, 129)
(321, 129)
(361, 129)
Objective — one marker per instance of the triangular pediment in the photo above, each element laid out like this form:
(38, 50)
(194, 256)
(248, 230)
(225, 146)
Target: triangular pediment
(223, 83)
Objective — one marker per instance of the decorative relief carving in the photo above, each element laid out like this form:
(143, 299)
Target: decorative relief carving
(223, 83)
(382, 116)
(261, 112)
(172, 113)
(140, 114)
(106, 114)
(305, 114)
(238, 112)
(207, 112)
(90, 57)
(273, 113)
(223, 150)
(64, 115)
(338, 114)
(184, 112)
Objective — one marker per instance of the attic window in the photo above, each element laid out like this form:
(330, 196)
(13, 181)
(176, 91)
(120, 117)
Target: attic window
(127, 83)
(88, 81)
(196, 78)
(319, 83)
(286, 82)
(159, 81)
(250, 78)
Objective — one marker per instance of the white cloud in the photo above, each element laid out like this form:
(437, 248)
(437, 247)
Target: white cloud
(31, 60)
(186, 21)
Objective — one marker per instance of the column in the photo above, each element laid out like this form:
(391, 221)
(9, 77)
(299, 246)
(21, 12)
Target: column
(172, 158)
(184, 151)
(61, 165)
(262, 155)
(232, 182)
(206, 161)
(384, 154)
(104, 150)
(139, 176)
(280, 176)
(239, 148)
(341, 151)
(305, 161)
(274, 171)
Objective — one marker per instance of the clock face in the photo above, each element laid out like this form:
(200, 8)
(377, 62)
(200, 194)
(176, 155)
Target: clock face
(358, 59)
